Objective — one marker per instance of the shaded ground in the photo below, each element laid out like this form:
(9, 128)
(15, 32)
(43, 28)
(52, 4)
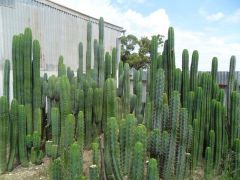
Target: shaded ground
(33, 172)
(41, 172)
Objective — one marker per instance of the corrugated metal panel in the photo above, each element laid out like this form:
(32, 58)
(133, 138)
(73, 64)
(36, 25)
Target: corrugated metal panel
(7, 3)
(222, 77)
(59, 32)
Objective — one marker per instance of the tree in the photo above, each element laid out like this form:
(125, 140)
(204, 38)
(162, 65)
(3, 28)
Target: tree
(137, 59)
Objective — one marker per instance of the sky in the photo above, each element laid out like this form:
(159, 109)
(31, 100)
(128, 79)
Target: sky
(210, 26)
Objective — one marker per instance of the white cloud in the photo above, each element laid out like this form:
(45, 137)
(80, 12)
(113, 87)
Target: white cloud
(215, 17)
(158, 22)
(208, 47)
(235, 17)
(211, 17)
(134, 22)
(131, 1)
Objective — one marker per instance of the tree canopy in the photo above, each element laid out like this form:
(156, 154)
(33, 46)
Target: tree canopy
(136, 52)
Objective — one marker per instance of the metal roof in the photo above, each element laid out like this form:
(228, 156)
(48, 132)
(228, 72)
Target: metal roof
(78, 14)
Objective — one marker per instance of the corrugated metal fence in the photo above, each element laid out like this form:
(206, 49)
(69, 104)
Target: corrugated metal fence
(58, 29)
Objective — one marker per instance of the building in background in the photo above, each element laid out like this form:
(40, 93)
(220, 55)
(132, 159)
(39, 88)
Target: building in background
(58, 29)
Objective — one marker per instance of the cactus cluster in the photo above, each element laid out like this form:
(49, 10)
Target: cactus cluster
(183, 123)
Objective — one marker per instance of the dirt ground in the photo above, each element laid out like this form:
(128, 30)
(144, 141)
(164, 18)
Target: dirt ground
(41, 172)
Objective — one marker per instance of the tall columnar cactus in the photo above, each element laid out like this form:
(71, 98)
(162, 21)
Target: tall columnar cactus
(88, 117)
(196, 131)
(214, 71)
(136, 75)
(101, 30)
(21, 135)
(114, 63)
(28, 66)
(113, 146)
(95, 153)
(126, 89)
(194, 71)
(174, 113)
(15, 44)
(81, 99)
(208, 163)
(4, 123)
(93, 172)
(101, 66)
(236, 164)
(69, 129)
(190, 106)
(55, 117)
(174, 126)
(97, 107)
(140, 135)
(152, 170)
(20, 69)
(185, 77)
(75, 161)
(61, 67)
(212, 146)
(109, 102)
(56, 169)
(96, 53)
(153, 55)
(155, 143)
(36, 75)
(177, 79)
(80, 130)
(158, 99)
(6, 85)
(120, 79)
(13, 133)
(148, 115)
(108, 66)
(89, 47)
(126, 137)
(219, 133)
(138, 110)
(65, 101)
(38, 121)
(170, 60)
(231, 78)
(234, 115)
(137, 168)
(80, 60)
